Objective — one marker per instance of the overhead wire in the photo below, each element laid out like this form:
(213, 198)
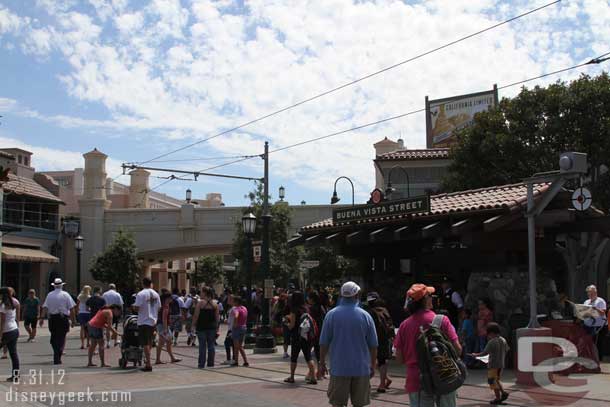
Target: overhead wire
(355, 81)
(596, 60)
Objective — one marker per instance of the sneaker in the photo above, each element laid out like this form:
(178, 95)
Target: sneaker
(504, 396)
(233, 364)
(286, 355)
(495, 402)
(226, 362)
(246, 364)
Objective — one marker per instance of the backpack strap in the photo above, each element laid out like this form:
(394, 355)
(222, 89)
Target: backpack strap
(437, 321)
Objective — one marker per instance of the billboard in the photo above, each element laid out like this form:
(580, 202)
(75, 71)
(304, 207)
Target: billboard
(446, 116)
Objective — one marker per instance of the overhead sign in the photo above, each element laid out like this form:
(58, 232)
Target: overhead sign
(309, 264)
(388, 208)
(256, 253)
(446, 116)
(581, 199)
(268, 288)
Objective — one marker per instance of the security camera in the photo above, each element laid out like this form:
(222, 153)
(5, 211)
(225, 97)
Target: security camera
(573, 162)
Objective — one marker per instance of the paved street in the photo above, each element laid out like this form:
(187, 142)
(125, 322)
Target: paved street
(259, 385)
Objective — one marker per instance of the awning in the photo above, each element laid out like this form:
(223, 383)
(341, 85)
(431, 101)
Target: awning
(27, 255)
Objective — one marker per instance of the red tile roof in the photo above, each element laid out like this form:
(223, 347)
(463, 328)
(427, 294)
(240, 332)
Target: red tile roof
(498, 198)
(29, 187)
(419, 154)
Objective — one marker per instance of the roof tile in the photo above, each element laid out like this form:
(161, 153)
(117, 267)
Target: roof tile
(27, 186)
(418, 154)
(504, 197)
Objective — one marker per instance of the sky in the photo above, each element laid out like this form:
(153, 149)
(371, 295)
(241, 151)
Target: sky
(137, 79)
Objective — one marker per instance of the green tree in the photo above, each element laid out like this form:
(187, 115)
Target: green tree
(332, 266)
(119, 263)
(284, 261)
(525, 135)
(209, 270)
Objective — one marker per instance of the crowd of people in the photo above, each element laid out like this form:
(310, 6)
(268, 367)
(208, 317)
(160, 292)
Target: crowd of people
(353, 330)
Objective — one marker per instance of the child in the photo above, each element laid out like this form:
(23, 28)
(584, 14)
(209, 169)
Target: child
(496, 348)
(229, 338)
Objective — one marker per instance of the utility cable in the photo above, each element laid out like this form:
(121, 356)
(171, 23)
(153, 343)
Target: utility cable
(355, 81)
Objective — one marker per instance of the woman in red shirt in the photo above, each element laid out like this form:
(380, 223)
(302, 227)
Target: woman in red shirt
(96, 325)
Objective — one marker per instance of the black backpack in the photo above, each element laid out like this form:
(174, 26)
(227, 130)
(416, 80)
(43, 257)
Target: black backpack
(383, 323)
(174, 306)
(441, 369)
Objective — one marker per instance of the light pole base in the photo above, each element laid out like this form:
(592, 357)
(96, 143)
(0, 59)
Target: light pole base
(265, 341)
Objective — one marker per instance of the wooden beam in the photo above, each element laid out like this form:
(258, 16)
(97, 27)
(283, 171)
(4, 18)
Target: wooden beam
(312, 240)
(401, 233)
(357, 237)
(464, 226)
(433, 230)
(334, 237)
(499, 221)
(296, 241)
(381, 235)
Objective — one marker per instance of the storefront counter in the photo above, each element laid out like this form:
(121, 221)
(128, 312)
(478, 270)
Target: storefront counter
(575, 333)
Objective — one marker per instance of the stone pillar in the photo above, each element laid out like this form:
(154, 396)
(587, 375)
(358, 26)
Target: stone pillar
(93, 206)
(139, 189)
(163, 280)
(182, 281)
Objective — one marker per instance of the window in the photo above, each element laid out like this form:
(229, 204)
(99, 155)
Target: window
(170, 264)
(19, 159)
(26, 161)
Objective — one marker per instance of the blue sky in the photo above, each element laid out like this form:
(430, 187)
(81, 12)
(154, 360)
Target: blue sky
(140, 78)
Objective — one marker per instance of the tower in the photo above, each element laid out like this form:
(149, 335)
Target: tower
(92, 210)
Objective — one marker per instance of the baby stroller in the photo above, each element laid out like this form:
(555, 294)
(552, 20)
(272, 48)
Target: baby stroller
(131, 351)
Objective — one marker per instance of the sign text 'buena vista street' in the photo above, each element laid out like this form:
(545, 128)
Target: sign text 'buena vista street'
(388, 208)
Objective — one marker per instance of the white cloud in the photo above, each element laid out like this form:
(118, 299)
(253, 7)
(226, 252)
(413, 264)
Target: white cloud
(185, 70)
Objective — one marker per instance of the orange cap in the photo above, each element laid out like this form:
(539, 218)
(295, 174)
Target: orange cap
(419, 291)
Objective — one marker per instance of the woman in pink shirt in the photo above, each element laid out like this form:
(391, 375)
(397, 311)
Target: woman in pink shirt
(485, 316)
(419, 304)
(238, 331)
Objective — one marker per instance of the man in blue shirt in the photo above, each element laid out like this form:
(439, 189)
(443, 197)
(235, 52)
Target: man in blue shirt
(348, 333)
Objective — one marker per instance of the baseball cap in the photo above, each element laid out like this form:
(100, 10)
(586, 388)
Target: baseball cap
(372, 296)
(350, 289)
(419, 291)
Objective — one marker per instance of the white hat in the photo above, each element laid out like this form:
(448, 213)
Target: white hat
(58, 282)
(350, 289)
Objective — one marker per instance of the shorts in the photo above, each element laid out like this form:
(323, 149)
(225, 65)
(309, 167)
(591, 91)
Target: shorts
(95, 333)
(83, 318)
(300, 344)
(31, 322)
(343, 388)
(383, 353)
(145, 333)
(493, 378)
(238, 334)
(165, 334)
(175, 323)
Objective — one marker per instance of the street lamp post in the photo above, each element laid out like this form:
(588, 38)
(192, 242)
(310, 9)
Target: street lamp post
(282, 193)
(265, 341)
(389, 189)
(248, 224)
(335, 198)
(78, 245)
(189, 196)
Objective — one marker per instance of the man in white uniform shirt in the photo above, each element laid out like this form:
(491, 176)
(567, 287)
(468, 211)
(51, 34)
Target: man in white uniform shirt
(596, 326)
(147, 305)
(112, 297)
(59, 306)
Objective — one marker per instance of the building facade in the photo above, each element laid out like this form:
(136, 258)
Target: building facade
(31, 244)
(410, 172)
